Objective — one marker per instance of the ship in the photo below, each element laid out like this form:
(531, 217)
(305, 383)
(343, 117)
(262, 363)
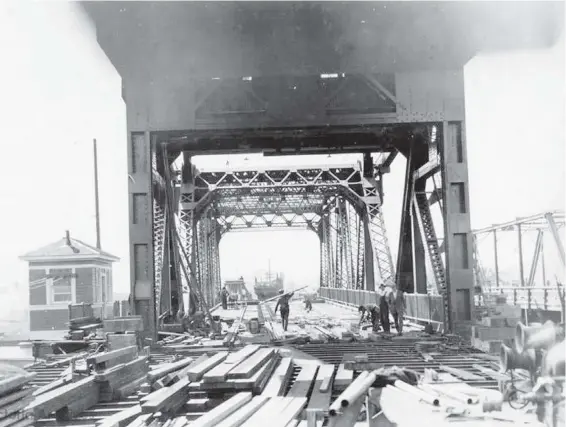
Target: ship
(268, 286)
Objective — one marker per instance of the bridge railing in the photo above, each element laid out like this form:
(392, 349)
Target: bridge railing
(531, 298)
(429, 308)
(418, 307)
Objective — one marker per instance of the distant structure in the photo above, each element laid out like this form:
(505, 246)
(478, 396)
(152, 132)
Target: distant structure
(237, 289)
(65, 272)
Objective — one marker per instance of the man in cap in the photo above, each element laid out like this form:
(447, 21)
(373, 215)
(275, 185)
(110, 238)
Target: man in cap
(370, 312)
(283, 302)
(383, 308)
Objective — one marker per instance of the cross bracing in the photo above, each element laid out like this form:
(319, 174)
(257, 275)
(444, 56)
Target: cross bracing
(336, 202)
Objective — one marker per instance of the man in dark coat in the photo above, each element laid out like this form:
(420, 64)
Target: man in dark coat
(283, 303)
(224, 298)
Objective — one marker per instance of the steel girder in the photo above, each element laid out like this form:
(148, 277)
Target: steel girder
(329, 200)
(547, 221)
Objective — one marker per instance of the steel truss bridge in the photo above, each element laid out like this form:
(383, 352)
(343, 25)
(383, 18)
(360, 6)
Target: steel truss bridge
(342, 204)
(282, 79)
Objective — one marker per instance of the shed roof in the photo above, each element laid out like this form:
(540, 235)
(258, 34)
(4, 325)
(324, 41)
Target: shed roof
(68, 248)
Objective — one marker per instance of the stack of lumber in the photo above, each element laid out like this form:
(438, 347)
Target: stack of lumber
(243, 410)
(497, 325)
(82, 327)
(82, 321)
(15, 396)
(247, 369)
(118, 373)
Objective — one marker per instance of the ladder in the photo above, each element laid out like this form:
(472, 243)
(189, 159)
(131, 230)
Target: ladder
(426, 226)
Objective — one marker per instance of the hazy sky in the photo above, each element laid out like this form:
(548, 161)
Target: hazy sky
(59, 91)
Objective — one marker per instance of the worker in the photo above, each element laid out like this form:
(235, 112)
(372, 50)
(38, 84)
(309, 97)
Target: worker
(308, 304)
(370, 312)
(396, 302)
(224, 298)
(283, 302)
(400, 310)
(383, 308)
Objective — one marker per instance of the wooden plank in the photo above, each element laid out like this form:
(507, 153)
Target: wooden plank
(278, 382)
(492, 373)
(265, 415)
(124, 324)
(460, 373)
(252, 364)
(122, 418)
(218, 374)
(253, 383)
(18, 420)
(109, 355)
(222, 411)
(243, 414)
(16, 407)
(321, 393)
(21, 394)
(293, 410)
(67, 379)
(14, 382)
(343, 378)
(303, 382)
(196, 372)
(173, 377)
(129, 388)
(160, 372)
(171, 399)
(62, 397)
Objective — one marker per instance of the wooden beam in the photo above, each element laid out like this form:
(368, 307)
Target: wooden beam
(170, 400)
(124, 324)
(322, 391)
(292, 411)
(241, 416)
(304, 381)
(122, 418)
(222, 411)
(67, 379)
(112, 358)
(196, 372)
(278, 382)
(251, 365)
(460, 373)
(160, 372)
(343, 378)
(86, 389)
(219, 373)
(14, 382)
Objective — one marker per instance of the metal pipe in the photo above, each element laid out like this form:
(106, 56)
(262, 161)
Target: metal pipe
(351, 395)
(279, 296)
(450, 393)
(337, 404)
(424, 396)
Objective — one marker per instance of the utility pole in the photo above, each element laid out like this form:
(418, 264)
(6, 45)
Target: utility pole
(96, 203)
(97, 213)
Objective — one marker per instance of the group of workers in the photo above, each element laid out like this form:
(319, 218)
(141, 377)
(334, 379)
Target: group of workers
(389, 301)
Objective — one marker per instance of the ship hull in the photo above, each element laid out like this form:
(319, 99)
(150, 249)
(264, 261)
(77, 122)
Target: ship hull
(266, 292)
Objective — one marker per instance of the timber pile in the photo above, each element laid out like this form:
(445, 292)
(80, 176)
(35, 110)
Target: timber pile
(15, 395)
(82, 321)
(119, 373)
